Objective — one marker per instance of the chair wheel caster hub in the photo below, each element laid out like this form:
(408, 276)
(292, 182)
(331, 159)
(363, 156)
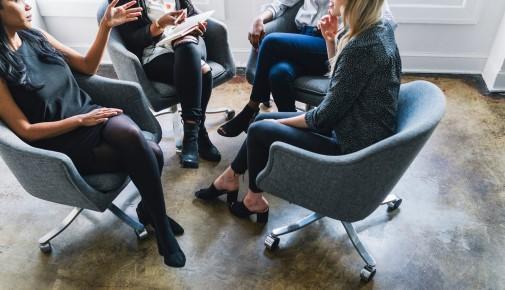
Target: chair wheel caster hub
(367, 273)
(142, 234)
(393, 205)
(45, 248)
(272, 242)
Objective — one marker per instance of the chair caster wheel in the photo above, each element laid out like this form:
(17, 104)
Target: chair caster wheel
(45, 248)
(142, 234)
(230, 114)
(367, 273)
(394, 204)
(272, 242)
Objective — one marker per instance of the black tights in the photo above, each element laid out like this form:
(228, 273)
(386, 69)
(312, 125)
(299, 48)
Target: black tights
(183, 69)
(124, 148)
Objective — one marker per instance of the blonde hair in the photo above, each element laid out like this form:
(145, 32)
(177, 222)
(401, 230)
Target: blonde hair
(357, 16)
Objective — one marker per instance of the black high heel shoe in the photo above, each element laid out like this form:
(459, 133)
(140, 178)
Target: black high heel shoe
(212, 192)
(238, 209)
(145, 219)
(238, 124)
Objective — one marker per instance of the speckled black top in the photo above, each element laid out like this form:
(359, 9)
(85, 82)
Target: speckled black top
(362, 97)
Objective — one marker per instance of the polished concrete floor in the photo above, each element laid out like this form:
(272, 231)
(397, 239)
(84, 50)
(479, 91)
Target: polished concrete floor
(448, 234)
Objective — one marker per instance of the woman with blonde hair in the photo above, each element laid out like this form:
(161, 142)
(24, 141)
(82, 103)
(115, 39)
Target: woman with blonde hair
(358, 110)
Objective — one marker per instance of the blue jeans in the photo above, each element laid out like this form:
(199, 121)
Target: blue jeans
(282, 58)
(253, 154)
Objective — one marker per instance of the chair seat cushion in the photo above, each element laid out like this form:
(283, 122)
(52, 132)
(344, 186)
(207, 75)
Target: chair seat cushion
(107, 182)
(217, 69)
(164, 89)
(311, 89)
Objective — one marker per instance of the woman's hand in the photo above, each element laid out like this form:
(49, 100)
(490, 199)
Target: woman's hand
(257, 33)
(115, 16)
(97, 116)
(329, 27)
(172, 18)
(199, 30)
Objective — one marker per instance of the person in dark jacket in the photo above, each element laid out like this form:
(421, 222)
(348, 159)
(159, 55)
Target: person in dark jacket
(180, 63)
(358, 110)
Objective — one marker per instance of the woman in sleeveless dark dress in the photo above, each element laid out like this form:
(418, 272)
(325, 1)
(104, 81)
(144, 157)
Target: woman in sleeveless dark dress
(42, 103)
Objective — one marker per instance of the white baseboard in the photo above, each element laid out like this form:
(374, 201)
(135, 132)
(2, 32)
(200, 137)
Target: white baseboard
(443, 63)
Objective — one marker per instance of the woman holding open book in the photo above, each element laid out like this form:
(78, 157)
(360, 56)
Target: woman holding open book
(180, 63)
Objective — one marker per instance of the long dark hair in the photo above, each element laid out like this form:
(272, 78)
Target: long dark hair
(12, 67)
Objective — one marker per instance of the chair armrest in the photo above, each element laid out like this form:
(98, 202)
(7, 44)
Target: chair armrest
(124, 95)
(346, 187)
(218, 48)
(45, 174)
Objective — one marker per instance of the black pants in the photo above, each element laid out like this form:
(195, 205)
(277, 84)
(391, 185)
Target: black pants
(183, 69)
(253, 154)
(124, 148)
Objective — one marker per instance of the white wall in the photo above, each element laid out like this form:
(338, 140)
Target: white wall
(436, 36)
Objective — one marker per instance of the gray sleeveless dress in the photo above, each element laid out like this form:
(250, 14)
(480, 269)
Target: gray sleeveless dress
(58, 97)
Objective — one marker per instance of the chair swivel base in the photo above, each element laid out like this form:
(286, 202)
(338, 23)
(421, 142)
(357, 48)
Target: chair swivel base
(45, 241)
(368, 272)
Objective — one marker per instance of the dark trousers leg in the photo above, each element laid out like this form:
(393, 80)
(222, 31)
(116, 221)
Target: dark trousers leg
(183, 69)
(124, 148)
(301, 52)
(253, 154)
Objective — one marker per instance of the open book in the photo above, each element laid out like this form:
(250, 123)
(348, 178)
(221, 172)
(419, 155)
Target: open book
(184, 28)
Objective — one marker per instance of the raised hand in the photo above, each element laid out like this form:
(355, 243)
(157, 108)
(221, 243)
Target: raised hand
(329, 27)
(98, 116)
(115, 16)
(173, 18)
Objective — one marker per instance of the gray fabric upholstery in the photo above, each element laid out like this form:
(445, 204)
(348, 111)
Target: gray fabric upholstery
(311, 89)
(52, 176)
(350, 187)
(162, 96)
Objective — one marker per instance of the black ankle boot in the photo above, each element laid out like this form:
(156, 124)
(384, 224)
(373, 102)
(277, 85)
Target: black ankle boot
(238, 124)
(173, 255)
(206, 149)
(189, 154)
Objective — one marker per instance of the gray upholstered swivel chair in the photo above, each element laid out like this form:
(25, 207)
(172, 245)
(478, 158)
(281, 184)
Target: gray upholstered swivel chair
(52, 176)
(308, 89)
(162, 96)
(350, 187)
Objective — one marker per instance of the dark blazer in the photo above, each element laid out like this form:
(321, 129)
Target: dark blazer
(362, 97)
(137, 35)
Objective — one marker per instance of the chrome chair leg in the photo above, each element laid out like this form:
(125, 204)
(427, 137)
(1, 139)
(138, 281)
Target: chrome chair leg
(272, 240)
(393, 202)
(369, 270)
(45, 241)
(139, 228)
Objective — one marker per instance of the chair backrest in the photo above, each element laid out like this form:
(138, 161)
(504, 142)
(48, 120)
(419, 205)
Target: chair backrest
(377, 169)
